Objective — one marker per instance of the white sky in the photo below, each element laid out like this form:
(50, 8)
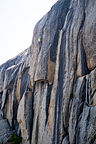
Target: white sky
(17, 20)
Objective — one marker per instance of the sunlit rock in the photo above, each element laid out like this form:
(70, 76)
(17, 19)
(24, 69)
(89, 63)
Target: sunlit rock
(48, 92)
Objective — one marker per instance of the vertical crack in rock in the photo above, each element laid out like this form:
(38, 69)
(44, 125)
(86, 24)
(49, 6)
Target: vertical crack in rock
(48, 102)
(51, 117)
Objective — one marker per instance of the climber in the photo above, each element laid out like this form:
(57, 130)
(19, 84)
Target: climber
(39, 41)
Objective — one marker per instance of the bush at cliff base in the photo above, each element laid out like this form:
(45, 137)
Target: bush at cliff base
(14, 139)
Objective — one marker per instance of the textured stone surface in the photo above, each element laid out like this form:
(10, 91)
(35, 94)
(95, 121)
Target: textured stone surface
(5, 129)
(48, 92)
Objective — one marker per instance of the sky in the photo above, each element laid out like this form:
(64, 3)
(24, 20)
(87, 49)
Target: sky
(17, 21)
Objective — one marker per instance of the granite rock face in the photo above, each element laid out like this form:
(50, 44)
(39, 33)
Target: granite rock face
(5, 129)
(48, 92)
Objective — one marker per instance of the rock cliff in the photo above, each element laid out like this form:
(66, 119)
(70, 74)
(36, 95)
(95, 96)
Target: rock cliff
(48, 92)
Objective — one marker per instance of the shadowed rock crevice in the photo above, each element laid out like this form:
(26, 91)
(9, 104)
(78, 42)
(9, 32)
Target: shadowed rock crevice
(48, 102)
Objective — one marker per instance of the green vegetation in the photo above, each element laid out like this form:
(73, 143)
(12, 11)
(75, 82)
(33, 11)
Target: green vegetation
(15, 139)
